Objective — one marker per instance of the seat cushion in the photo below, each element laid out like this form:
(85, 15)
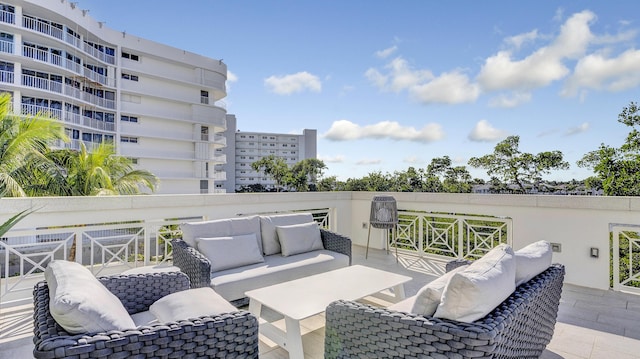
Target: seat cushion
(221, 228)
(475, 291)
(428, 297)
(191, 303)
(231, 284)
(299, 238)
(532, 260)
(268, 224)
(80, 303)
(230, 252)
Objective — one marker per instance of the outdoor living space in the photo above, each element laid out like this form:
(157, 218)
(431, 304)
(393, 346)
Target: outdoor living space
(594, 320)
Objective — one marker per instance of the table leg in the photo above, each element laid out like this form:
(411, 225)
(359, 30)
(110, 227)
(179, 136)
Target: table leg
(398, 291)
(255, 307)
(293, 339)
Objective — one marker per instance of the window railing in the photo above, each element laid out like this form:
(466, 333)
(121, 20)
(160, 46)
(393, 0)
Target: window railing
(6, 46)
(8, 17)
(42, 27)
(6, 76)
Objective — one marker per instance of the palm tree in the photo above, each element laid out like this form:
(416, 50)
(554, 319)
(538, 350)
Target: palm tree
(99, 172)
(23, 142)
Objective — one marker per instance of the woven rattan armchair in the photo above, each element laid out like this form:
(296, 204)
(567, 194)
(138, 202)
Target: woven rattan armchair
(520, 327)
(228, 335)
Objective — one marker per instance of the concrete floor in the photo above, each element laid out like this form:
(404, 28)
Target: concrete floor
(591, 323)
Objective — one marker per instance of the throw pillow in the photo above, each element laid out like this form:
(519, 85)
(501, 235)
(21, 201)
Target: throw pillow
(230, 252)
(475, 291)
(532, 260)
(299, 238)
(80, 303)
(428, 297)
(190, 303)
(268, 224)
(221, 228)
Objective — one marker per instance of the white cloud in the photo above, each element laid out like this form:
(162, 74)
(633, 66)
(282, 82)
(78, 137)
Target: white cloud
(400, 76)
(451, 88)
(369, 162)
(332, 159)
(412, 160)
(510, 100)
(578, 129)
(518, 40)
(344, 130)
(485, 132)
(598, 72)
(545, 65)
(298, 82)
(386, 52)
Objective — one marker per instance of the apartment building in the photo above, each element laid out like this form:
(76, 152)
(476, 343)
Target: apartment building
(244, 148)
(161, 106)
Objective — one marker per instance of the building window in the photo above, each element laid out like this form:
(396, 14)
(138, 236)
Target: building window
(204, 97)
(128, 118)
(204, 133)
(133, 160)
(128, 139)
(129, 56)
(130, 77)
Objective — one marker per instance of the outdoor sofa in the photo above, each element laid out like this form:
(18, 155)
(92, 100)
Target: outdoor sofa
(235, 255)
(232, 333)
(520, 326)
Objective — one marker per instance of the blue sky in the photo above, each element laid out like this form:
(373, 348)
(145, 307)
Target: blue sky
(393, 84)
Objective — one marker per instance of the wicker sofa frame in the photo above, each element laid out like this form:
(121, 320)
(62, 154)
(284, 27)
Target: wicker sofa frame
(198, 267)
(520, 327)
(233, 335)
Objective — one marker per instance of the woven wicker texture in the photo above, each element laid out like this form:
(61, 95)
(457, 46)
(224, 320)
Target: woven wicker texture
(520, 327)
(232, 335)
(198, 267)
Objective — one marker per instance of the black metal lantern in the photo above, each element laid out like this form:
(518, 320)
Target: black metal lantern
(384, 215)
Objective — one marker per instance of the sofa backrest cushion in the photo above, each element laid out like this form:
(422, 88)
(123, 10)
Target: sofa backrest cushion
(231, 251)
(268, 224)
(221, 228)
(475, 291)
(532, 260)
(428, 297)
(191, 303)
(80, 303)
(299, 238)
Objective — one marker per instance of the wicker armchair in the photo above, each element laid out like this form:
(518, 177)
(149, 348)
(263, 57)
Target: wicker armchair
(520, 327)
(198, 267)
(229, 335)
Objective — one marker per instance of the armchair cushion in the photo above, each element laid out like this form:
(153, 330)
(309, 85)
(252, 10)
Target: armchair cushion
(299, 238)
(475, 291)
(428, 298)
(270, 242)
(532, 260)
(230, 252)
(80, 303)
(188, 304)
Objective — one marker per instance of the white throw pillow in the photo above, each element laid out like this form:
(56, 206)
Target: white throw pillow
(190, 303)
(80, 303)
(230, 252)
(428, 297)
(474, 292)
(532, 260)
(299, 238)
(221, 228)
(270, 242)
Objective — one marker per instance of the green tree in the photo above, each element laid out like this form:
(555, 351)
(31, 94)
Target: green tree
(97, 173)
(618, 169)
(23, 143)
(305, 173)
(274, 167)
(457, 180)
(511, 165)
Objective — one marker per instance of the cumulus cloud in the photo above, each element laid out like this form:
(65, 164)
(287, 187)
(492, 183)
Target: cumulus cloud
(485, 132)
(578, 129)
(344, 130)
(510, 100)
(332, 159)
(289, 84)
(599, 72)
(518, 40)
(369, 162)
(450, 88)
(386, 52)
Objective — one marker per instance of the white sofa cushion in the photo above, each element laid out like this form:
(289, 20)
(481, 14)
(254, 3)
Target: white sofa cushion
(231, 284)
(190, 303)
(428, 297)
(268, 224)
(299, 238)
(475, 291)
(221, 228)
(80, 303)
(230, 252)
(532, 260)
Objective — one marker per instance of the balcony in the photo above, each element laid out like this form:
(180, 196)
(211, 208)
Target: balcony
(117, 233)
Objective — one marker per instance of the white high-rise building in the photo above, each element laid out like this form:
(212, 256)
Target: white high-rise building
(159, 105)
(244, 148)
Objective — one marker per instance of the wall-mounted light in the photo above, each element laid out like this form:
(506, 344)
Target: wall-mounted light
(595, 252)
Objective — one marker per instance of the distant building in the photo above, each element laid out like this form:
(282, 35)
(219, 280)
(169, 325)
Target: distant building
(244, 148)
(158, 104)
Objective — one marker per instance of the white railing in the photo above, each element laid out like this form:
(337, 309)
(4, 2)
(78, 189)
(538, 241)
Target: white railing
(8, 17)
(6, 46)
(43, 27)
(41, 110)
(626, 257)
(6, 76)
(110, 59)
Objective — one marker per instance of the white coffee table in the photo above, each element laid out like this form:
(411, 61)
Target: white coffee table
(306, 297)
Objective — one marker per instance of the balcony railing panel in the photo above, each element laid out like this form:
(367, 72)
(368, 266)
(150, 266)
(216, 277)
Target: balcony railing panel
(6, 46)
(8, 17)
(6, 76)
